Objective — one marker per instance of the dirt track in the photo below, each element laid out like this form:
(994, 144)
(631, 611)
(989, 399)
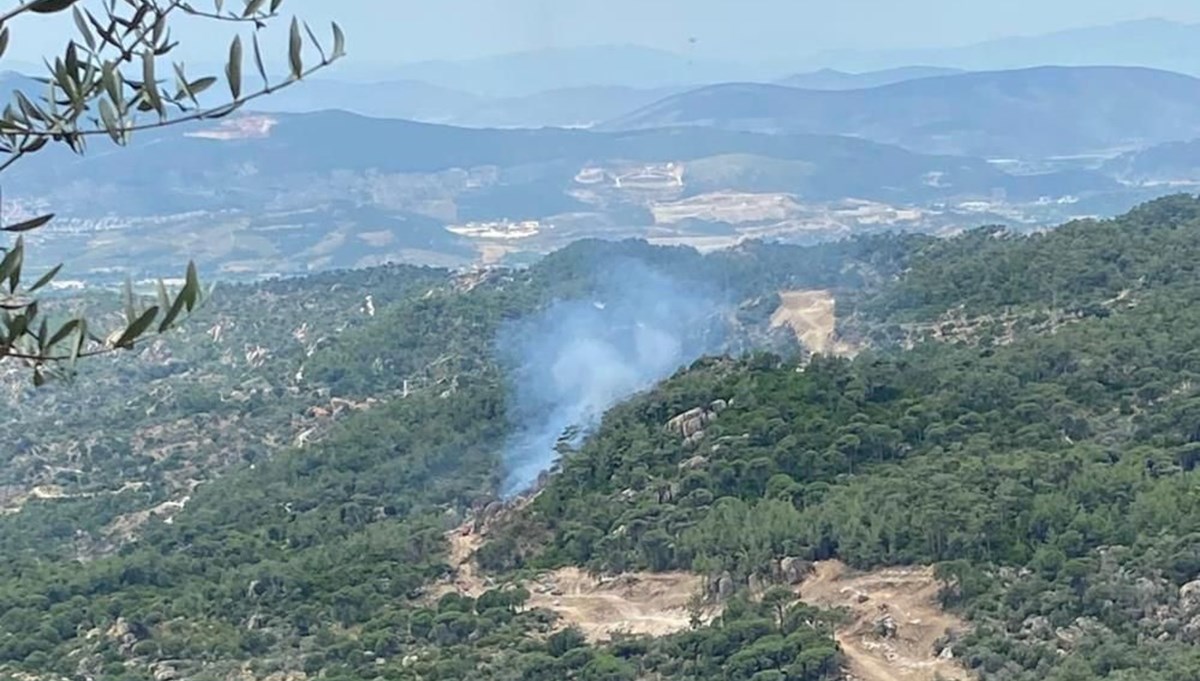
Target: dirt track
(909, 597)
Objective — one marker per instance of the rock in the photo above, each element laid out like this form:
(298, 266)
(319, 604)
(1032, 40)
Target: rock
(794, 570)
(1037, 626)
(886, 627)
(1189, 596)
(165, 672)
(1190, 633)
(493, 509)
(694, 463)
(718, 406)
(287, 676)
(947, 653)
(725, 586)
(756, 584)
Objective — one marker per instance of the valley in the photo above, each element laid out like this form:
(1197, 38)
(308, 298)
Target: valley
(600, 362)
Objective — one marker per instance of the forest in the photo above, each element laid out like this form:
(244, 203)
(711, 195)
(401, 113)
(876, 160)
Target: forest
(1023, 414)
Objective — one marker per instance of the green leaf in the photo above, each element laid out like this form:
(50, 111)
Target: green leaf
(28, 225)
(164, 300)
(150, 86)
(50, 6)
(111, 125)
(295, 49)
(312, 37)
(172, 313)
(66, 330)
(191, 287)
(252, 7)
(113, 86)
(84, 29)
(46, 278)
(137, 328)
(258, 61)
(11, 259)
(233, 70)
(10, 267)
(339, 41)
(127, 296)
(201, 84)
(77, 346)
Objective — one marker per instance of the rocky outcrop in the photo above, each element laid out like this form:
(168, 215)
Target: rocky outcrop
(794, 570)
(690, 425)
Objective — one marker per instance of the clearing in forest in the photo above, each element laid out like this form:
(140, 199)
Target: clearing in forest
(654, 604)
(894, 624)
(811, 315)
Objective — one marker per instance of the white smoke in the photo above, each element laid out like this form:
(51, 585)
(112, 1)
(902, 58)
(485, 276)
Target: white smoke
(574, 360)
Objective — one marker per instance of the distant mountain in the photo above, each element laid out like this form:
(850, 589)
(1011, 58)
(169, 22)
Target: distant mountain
(255, 194)
(420, 101)
(1153, 43)
(297, 154)
(1173, 162)
(832, 79)
(412, 99)
(1032, 113)
(527, 73)
(567, 107)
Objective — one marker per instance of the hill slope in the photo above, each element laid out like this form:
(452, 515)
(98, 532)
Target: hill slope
(832, 79)
(1151, 43)
(1016, 437)
(1036, 112)
(290, 193)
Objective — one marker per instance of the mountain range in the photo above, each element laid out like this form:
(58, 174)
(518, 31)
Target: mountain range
(833, 79)
(1038, 112)
(1154, 43)
(294, 192)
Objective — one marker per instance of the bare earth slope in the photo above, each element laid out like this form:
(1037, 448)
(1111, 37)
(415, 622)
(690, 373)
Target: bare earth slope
(654, 604)
(906, 598)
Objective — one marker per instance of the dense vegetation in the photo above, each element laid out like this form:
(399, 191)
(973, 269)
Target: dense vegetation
(1026, 420)
(253, 568)
(1050, 475)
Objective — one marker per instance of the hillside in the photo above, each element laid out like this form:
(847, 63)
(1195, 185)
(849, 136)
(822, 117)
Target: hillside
(1169, 163)
(262, 194)
(526, 73)
(992, 473)
(1151, 43)
(419, 101)
(1030, 113)
(832, 79)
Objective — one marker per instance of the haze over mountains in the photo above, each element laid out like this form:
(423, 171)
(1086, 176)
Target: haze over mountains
(1153, 43)
(487, 160)
(1039, 112)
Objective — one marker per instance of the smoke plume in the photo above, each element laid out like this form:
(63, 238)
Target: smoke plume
(574, 360)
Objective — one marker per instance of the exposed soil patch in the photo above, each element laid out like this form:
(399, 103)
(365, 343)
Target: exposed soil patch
(895, 624)
(812, 316)
(654, 604)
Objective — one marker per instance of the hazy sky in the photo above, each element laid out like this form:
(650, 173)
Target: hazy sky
(411, 30)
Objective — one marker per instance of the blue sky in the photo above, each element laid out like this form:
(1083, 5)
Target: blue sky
(388, 31)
